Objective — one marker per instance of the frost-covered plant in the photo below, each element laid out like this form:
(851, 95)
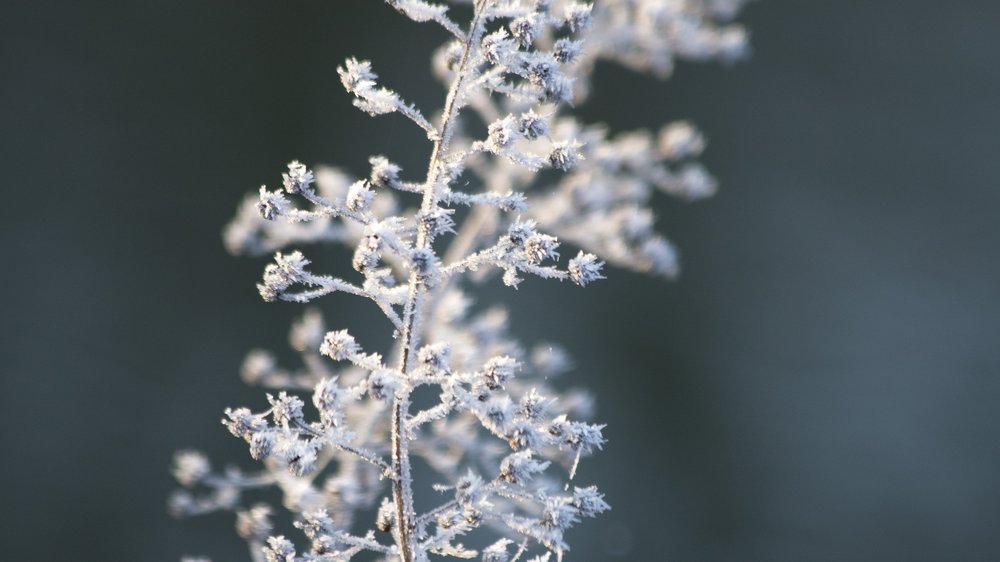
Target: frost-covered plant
(498, 435)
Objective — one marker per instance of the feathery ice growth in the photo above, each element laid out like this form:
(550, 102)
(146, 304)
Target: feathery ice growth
(503, 444)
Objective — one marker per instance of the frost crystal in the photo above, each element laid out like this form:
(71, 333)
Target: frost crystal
(337, 435)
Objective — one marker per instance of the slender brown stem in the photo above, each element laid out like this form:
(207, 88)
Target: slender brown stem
(401, 487)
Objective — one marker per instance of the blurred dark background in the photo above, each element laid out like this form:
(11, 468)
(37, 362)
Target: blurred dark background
(821, 384)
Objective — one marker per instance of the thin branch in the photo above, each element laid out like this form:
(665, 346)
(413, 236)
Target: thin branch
(335, 209)
(422, 11)
(429, 516)
(366, 543)
(362, 454)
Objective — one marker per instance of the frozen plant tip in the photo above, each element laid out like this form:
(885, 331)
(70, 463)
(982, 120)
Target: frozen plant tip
(337, 437)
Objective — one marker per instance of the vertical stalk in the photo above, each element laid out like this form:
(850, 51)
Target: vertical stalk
(402, 493)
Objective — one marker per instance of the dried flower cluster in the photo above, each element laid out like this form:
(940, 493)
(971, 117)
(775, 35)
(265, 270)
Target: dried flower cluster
(498, 432)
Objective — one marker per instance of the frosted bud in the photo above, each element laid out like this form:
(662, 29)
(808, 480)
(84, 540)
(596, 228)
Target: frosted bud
(316, 524)
(558, 514)
(447, 58)
(523, 436)
(541, 247)
(382, 384)
(694, 182)
(300, 457)
(356, 75)
(453, 170)
(510, 277)
(497, 47)
(589, 502)
(286, 409)
(519, 231)
(307, 332)
(558, 89)
(525, 29)
(502, 133)
(190, 467)
(578, 16)
(366, 255)
(566, 50)
(497, 552)
(422, 260)
(578, 436)
(425, 263)
(448, 519)
(271, 205)
(587, 437)
(532, 125)
(227, 496)
(559, 426)
(541, 69)
(257, 366)
(278, 276)
(268, 292)
(291, 266)
(262, 444)
(661, 257)
(386, 516)
(499, 412)
(384, 173)
(254, 524)
(520, 467)
(437, 221)
(298, 179)
(513, 201)
(468, 489)
(279, 549)
(637, 223)
(436, 356)
(680, 140)
(339, 345)
(326, 543)
(732, 43)
(472, 516)
(181, 503)
(565, 154)
(242, 423)
(534, 406)
(498, 371)
(359, 196)
(329, 401)
(585, 268)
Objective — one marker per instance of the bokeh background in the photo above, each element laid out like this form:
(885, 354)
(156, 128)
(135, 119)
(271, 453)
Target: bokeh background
(821, 384)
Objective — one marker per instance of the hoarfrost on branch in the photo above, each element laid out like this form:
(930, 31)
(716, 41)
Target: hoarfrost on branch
(337, 436)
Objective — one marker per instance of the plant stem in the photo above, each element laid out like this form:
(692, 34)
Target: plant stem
(402, 486)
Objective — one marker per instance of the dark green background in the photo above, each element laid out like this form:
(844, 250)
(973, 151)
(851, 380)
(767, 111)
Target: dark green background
(822, 383)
